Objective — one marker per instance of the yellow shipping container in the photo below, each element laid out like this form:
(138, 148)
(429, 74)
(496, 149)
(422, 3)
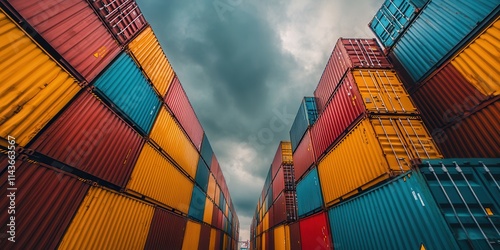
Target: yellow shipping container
(263, 242)
(191, 236)
(217, 195)
(170, 137)
(108, 220)
(479, 62)
(374, 150)
(213, 234)
(148, 53)
(33, 87)
(209, 209)
(211, 186)
(265, 222)
(281, 241)
(286, 152)
(224, 242)
(155, 176)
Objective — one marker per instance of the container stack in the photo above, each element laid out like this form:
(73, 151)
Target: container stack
(277, 205)
(448, 53)
(109, 152)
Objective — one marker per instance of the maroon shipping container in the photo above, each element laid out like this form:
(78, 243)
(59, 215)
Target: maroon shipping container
(90, 137)
(123, 17)
(446, 97)
(347, 54)
(271, 217)
(315, 233)
(303, 157)
(475, 136)
(74, 30)
(204, 242)
(270, 240)
(45, 203)
(181, 108)
(215, 216)
(277, 161)
(295, 236)
(220, 218)
(215, 167)
(278, 184)
(167, 229)
(218, 239)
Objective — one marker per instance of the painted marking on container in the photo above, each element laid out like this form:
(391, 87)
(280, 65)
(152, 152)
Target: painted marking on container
(101, 52)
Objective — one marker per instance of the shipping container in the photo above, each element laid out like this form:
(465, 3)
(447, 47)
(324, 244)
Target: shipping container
(208, 212)
(147, 51)
(45, 201)
(393, 18)
(178, 102)
(398, 215)
(315, 233)
(264, 241)
(211, 186)
(306, 117)
(101, 213)
(374, 150)
(218, 239)
(74, 30)
(34, 87)
(295, 241)
(124, 85)
(215, 167)
(281, 241)
(433, 37)
(463, 196)
(172, 140)
(309, 198)
(202, 173)
(156, 177)
(167, 229)
(207, 154)
(90, 137)
(204, 237)
(303, 157)
(283, 156)
(197, 205)
(278, 184)
(123, 17)
(191, 236)
(213, 234)
(284, 208)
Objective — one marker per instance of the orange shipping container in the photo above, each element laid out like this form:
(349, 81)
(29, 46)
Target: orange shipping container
(209, 207)
(108, 220)
(154, 176)
(213, 234)
(191, 236)
(281, 238)
(148, 53)
(374, 150)
(265, 222)
(211, 186)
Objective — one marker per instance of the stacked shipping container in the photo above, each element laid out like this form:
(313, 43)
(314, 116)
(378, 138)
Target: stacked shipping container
(106, 140)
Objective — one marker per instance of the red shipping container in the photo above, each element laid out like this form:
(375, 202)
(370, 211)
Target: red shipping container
(315, 233)
(278, 183)
(90, 137)
(75, 32)
(45, 203)
(215, 167)
(303, 157)
(446, 97)
(220, 218)
(167, 229)
(215, 216)
(204, 242)
(295, 236)
(270, 239)
(182, 110)
(123, 17)
(347, 54)
(218, 239)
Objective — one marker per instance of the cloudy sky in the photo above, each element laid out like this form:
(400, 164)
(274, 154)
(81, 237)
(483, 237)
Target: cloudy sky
(245, 66)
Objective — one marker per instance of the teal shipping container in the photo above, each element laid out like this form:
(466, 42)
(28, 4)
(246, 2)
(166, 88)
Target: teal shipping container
(309, 197)
(206, 151)
(197, 205)
(202, 173)
(306, 116)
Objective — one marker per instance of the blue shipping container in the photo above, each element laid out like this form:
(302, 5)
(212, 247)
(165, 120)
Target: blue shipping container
(202, 174)
(222, 202)
(206, 151)
(309, 197)
(393, 17)
(197, 205)
(398, 215)
(439, 31)
(461, 188)
(124, 85)
(306, 116)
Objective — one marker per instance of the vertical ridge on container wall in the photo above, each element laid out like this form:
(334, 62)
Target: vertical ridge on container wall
(124, 85)
(46, 199)
(167, 229)
(34, 88)
(172, 140)
(147, 51)
(123, 17)
(156, 177)
(178, 102)
(74, 30)
(123, 221)
(306, 117)
(89, 137)
(191, 236)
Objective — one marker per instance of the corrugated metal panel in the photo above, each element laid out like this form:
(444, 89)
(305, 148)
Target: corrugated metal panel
(74, 30)
(167, 230)
(264, 241)
(279, 210)
(204, 237)
(281, 241)
(89, 137)
(303, 157)
(468, 207)
(265, 222)
(45, 202)
(213, 234)
(432, 38)
(489, 172)
(170, 137)
(215, 216)
(207, 154)
(123, 17)
(218, 239)
(374, 219)
(103, 212)
(224, 242)
(125, 86)
(155, 177)
(211, 186)
(309, 198)
(197, 206)
(278, 184)
(191, 236)
(147, 51)
(306, 116)
(178, 102)
(393, 18)
(215, 167)
(295, 243)
(374, 150)
(270, 239)
(479, 62)
(34, 88)
(202, 173)
(208, 212)
(217, 195)
(314, 232)
(282, 156)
